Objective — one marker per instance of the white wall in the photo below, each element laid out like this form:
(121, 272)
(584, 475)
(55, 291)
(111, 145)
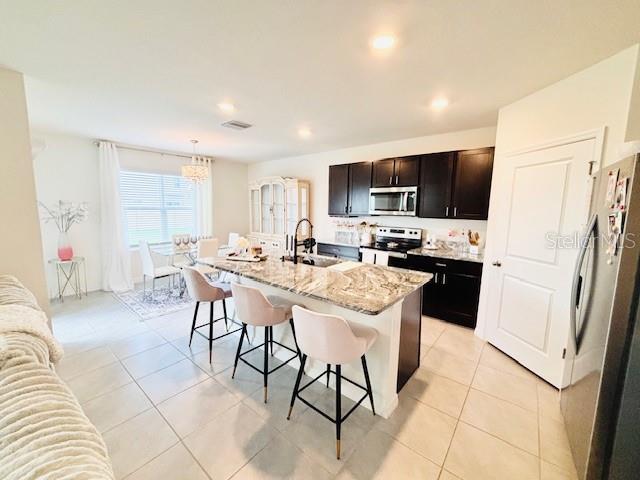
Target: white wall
(595, 97)
(315, 168)
(599, 96)
(20, 247)
(67, 169)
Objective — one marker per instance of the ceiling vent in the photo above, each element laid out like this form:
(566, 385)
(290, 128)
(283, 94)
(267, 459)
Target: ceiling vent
(236, 125)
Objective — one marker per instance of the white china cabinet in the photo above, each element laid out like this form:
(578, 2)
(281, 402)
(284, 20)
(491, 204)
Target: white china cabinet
(276, 206)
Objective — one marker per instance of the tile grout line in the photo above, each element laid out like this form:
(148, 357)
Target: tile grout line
(458, 420)
(180, 440)
(152, 403)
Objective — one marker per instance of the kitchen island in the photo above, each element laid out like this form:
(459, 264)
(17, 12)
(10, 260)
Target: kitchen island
(385, 298)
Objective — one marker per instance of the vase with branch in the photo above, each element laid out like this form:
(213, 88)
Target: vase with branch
(65, 215)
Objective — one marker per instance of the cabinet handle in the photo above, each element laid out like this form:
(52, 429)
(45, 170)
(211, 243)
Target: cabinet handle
(444, 278)
(446, 211)
(455, 211)
(391, 180)
(435, 278)
(497, 263)
(396, 179)
(346, 209)
(350, 208)
(441, 264)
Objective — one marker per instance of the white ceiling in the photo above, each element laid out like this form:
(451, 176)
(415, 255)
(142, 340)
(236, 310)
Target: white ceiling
(151, 72)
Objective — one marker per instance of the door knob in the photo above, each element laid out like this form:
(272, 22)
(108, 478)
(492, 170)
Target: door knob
(497, 263)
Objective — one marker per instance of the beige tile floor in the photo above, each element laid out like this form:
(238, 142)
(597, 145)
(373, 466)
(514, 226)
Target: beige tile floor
(469, 412)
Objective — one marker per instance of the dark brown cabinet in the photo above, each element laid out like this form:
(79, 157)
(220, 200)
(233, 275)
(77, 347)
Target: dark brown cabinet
(454, 291)
(472, 184)
(349, 189)
(396, 172)
(359, 185)
(456, 184)
(338, 189)
(450, 184)
(384, 173)
(436, 184)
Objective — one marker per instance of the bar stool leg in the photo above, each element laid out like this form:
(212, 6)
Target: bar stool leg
(271, 339)
(338, 409)
(193, 325)
(224, 309)
(366, 378)
(242, 335)
(328, 373)
(210, 331)
(297, 385)
(266, 361)
(295, 340)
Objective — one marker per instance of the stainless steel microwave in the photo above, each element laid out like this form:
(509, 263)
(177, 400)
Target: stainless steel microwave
(393, 201)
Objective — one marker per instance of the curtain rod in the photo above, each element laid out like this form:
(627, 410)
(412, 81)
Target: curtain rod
(125, 146)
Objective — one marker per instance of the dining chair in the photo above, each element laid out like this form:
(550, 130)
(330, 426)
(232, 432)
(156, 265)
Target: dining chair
(206, 248)
(153, 272)
(232, 242)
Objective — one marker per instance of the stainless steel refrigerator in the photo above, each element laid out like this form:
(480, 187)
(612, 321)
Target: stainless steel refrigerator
(601, 405)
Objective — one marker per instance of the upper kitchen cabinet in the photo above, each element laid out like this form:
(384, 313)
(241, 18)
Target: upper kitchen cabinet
(338, 190)
(349, 189)
(436, 184)
(359, 185)
(456, 184)
(396, 172)
(472, 184)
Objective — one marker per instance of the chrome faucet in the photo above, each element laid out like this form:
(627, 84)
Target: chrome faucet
(308, 243)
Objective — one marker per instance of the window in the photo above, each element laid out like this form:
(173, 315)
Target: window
(156, 206)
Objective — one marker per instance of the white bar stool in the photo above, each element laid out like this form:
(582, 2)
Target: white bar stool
(334, 341)
(254, 308)
(201, 290)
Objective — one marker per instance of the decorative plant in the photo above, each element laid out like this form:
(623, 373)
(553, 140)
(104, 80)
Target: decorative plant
(65, 214)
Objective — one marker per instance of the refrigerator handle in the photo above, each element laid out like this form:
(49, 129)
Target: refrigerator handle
(577, 280)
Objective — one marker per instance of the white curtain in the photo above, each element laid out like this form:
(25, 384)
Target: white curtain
(116, 258)
(204, 199)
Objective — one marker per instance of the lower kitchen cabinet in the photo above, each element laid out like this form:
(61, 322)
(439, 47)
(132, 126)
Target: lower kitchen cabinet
(454, 291)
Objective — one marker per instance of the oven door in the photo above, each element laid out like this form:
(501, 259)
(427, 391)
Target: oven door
(393, 201)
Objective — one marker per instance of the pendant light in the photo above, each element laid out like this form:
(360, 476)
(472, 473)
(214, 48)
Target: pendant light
(196, 171)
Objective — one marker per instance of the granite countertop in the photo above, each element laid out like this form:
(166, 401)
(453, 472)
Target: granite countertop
(361, 287)
(445, 252)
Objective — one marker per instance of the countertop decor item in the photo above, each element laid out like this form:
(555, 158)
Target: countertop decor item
(65, 215)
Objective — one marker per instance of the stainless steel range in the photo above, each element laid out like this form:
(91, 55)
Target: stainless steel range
(396, 241)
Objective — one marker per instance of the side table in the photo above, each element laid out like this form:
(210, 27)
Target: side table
(69, 272)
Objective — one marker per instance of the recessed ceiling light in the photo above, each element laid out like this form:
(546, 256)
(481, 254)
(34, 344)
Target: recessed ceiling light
(439, 103)
(304, 132)
(383, 42)
(226, 107)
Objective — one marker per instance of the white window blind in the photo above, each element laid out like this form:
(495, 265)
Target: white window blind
(156, 206)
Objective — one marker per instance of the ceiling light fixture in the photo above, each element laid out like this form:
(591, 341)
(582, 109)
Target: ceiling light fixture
(439, 103)
(227, 107)
(197, 171)
(383, 42)
(304, 132)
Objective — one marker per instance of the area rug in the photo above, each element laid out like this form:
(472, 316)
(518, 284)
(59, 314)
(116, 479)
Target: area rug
(165, 300)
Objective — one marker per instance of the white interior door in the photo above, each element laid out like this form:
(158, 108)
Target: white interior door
(542, 196)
